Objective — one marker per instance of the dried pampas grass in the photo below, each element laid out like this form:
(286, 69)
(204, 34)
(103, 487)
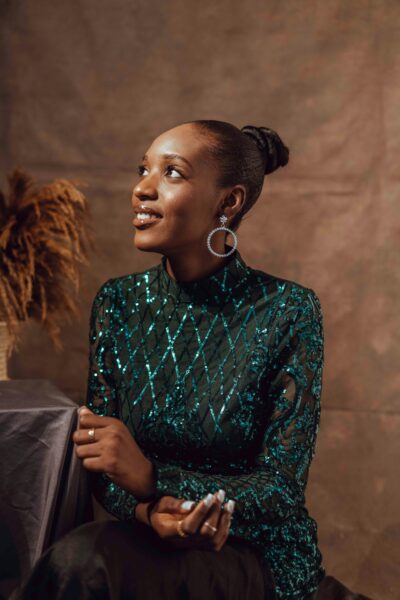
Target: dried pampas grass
(43, 238)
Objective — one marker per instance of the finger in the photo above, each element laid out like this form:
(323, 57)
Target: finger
(224, 526)
(176, 505)
(87, 450)
(89, 419)
(210, 524)
(81, 436)
(94, 464)
(192, 523)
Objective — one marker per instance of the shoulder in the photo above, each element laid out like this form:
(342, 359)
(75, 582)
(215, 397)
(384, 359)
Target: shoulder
(119, 289)
(290, 296)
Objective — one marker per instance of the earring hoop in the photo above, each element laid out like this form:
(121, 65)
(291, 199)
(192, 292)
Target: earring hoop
(223, 219)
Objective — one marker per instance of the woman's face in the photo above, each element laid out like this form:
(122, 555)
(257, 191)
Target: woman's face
(183, 190)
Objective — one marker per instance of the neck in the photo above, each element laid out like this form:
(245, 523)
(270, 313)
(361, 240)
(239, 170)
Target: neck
(189, 267)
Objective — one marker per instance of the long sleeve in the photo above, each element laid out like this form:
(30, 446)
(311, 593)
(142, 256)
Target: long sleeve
(102, 395)
(273, 489)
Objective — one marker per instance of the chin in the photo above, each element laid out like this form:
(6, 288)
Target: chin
(145, 243)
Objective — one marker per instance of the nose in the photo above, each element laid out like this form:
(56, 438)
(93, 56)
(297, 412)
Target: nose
(145, 188)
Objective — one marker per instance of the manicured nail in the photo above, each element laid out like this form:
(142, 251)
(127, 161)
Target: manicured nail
(209, 499)
(230, 505)
(221, 495)
(187, 505)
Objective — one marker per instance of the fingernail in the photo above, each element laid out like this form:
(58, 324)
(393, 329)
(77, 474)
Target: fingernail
(221, 495)
(187, 505)
(208, 499)
(230, 505)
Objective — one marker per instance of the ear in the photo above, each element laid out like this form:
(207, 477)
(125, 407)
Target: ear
(235, 201)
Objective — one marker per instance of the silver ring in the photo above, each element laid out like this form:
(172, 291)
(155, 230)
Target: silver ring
(207, 524)
(91, 434)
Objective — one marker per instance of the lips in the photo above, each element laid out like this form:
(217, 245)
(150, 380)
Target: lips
(143, 223)
(148, 210)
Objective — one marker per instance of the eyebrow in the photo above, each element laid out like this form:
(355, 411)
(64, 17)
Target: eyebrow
(171, 156)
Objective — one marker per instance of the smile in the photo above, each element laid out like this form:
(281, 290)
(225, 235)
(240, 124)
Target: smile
(143, 220)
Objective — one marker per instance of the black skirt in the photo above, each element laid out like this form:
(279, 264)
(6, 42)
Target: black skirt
(118, 560)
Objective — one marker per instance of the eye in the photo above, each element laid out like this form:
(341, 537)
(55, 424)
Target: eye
(170, 168)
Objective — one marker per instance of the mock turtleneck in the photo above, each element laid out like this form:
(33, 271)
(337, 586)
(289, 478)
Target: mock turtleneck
(216, 288)
(218, 380)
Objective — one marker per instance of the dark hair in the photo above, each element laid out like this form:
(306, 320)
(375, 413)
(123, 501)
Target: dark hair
(245, 156)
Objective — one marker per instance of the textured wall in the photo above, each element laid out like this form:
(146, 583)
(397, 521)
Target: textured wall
(87, 85)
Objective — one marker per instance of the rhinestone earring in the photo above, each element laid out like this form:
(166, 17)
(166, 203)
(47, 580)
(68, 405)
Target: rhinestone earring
(223, 220)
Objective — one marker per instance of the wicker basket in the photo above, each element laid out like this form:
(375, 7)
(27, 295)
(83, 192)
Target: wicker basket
(4, 340)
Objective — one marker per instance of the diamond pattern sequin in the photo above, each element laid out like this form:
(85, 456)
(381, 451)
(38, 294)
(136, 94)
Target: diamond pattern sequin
(219, 381)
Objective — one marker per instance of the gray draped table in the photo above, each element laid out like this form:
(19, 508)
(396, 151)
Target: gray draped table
(44, 489)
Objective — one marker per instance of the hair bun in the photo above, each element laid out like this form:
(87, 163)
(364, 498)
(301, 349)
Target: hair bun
(268, 141)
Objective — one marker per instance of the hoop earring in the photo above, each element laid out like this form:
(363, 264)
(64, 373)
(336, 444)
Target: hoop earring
(223, 220)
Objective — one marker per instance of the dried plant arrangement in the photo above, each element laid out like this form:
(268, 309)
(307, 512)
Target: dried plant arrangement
(44, 236)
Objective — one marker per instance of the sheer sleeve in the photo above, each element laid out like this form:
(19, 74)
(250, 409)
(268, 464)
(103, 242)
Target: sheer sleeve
(273, 490)
(102, 398)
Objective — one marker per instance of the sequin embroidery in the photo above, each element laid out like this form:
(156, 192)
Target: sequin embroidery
(219, 381)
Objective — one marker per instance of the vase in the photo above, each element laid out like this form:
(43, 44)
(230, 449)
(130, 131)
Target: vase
(4, 341)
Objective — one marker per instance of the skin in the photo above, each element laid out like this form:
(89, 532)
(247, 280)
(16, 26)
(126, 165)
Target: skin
(168, 511)
(116, 453)
(190, 202)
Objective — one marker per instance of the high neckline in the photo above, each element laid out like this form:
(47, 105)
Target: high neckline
(216, 288)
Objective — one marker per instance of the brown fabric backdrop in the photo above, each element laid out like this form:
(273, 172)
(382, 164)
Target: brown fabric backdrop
(87, 85)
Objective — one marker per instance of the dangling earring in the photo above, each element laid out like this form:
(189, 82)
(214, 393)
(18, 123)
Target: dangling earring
(223, 220)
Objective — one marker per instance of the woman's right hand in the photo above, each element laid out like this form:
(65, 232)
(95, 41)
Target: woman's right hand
(165, 523)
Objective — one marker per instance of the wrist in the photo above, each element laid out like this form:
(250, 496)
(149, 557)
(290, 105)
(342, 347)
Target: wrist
(141, 513)
(149, 510)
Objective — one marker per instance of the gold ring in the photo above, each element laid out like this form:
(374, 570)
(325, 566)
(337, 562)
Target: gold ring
(180, 530)
(91, 434)
(207, 524)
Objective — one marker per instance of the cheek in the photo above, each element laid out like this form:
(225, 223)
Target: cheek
(181, 208)
(189, 209)
(186, 204)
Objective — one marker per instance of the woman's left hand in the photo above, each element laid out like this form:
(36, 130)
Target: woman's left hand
(113, 451)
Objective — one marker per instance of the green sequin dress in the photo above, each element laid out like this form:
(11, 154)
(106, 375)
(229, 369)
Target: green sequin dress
(219, 381)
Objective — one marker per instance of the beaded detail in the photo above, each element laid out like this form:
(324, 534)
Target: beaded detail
(219, 381)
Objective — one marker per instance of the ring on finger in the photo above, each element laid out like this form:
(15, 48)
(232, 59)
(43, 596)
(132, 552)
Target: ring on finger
(207, 524)
(180, 530)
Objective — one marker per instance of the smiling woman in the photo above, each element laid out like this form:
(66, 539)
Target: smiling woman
(204, 388)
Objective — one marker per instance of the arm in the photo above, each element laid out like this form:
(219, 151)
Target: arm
(274, 488)
(101, 396)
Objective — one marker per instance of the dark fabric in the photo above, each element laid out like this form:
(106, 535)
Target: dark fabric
(331, 588)
(116, 560)
(44, 490)
(218, 381)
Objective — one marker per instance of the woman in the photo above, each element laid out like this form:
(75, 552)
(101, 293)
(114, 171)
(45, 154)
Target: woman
(203, 400)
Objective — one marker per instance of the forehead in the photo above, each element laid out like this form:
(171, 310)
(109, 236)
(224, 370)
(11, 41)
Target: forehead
(184, 140)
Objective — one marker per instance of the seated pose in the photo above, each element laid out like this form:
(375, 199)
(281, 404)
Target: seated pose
(203, 399)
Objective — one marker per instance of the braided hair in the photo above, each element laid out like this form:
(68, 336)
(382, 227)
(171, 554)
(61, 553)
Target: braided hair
(275, 153)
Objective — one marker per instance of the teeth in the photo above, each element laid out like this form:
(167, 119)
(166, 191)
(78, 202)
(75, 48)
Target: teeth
(146, 216)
